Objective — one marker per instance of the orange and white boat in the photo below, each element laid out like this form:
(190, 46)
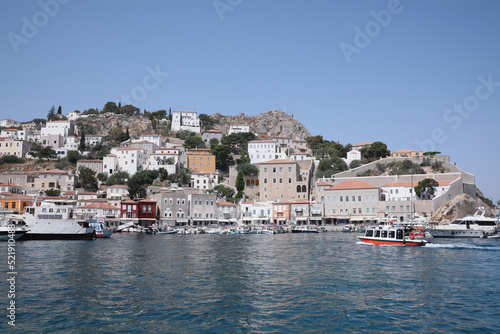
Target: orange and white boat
(389, 235)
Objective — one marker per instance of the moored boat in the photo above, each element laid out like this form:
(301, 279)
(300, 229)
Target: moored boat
(54, 219)
(388, 235)
(101, 231)
(471, 226)
(10, 230)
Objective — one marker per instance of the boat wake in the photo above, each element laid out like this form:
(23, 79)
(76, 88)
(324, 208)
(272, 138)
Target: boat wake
(463, 246)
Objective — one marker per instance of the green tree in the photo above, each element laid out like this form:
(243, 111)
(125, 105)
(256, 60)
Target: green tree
(183, 134)
(81, 146)
(375, 151)
(426, 188)
(116, 134)
(223, 157)
(139, 182)
(183, 177)
(43, 152)
(51, 113)
(110, 107)
(52, 192)
(223, 191)
(11, 159)
(193, 142)
(354, 164)
(130, 110)
(59, 111)
(247, 169)
(240, 182)
(118, 177)
(238, 142)
(87, 179)
(102, 177)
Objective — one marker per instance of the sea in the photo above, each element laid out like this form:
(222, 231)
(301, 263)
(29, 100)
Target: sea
(284, 283)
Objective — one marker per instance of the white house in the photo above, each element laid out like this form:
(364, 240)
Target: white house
(110, 164)
(185, 120)
(238, 129)
(264, 150)
(299, 156)
(74, 115)
(351, 156)
(166, 160)
(404, 191)
(130, 160)
(202, 180)
(152, 138)
(116, 193)
(7, 123)
(63, 128)
(255, 213)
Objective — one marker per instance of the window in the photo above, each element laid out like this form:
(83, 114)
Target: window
(341, 198)
(289, 169)
(281, 180)
(265, 180)
(281, 169)
(274, 169)
(359, 198)
(274, 180)
(354, 198)
(347, 198)
(265, 169)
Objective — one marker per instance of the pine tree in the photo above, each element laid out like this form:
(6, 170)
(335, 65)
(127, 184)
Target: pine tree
(59, 110)
(81, 147)
(240, 182)
(51, 113)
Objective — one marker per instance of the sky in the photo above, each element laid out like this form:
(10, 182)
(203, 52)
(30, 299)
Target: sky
(415, 74)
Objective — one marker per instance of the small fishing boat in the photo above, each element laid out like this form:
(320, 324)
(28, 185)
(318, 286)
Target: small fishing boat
(389, 235)
(101, 231)
(154, 230)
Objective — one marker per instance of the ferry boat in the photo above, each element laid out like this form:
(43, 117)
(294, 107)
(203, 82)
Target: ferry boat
(389, 235)
(471, 226)
(54, 219)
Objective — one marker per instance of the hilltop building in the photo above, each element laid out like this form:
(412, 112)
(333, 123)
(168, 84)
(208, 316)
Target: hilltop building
(185, 120)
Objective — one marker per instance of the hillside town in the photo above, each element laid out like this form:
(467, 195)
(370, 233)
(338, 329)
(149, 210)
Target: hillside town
(200, 172)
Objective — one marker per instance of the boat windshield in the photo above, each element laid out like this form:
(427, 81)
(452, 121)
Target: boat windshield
(369, 233)
(458, 222)
(485, 222)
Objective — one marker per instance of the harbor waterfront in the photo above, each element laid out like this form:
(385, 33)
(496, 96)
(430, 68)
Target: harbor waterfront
(293, 283)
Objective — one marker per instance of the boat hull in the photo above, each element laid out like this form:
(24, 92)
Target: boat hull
(405, 242)
(5, 236)
(58, 236)
(442, 233)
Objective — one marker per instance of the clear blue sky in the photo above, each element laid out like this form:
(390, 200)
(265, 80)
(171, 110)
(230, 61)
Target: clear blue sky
(351, 71)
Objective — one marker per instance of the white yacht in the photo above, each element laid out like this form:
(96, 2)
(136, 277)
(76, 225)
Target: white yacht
(54, 219)
(471, 226)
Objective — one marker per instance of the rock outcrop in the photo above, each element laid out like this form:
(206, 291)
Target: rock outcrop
(272, 123)
(461, 206)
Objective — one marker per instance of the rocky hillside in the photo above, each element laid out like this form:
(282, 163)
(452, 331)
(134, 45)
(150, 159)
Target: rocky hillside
(461, 206)
(272, 123)
(137, 124)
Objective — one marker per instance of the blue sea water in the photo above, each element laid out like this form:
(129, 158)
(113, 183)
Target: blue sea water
(286, 283)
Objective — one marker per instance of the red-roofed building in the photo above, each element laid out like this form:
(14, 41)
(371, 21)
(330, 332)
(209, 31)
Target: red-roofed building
(349, 200)
(98, 211)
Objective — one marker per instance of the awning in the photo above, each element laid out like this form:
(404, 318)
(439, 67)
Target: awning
(357, 219)
(315, 218)
(233, 220)
(301, 218)
(181, 220)
(247, 218)
(223, 220)
(257, 219)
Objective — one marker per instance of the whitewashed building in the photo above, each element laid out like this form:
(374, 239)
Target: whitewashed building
(185, 120)
(238, 129)
(152, 138)
(351, 156)
(130, 160)
(202, 180)
(264, 150)
(7, 123)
